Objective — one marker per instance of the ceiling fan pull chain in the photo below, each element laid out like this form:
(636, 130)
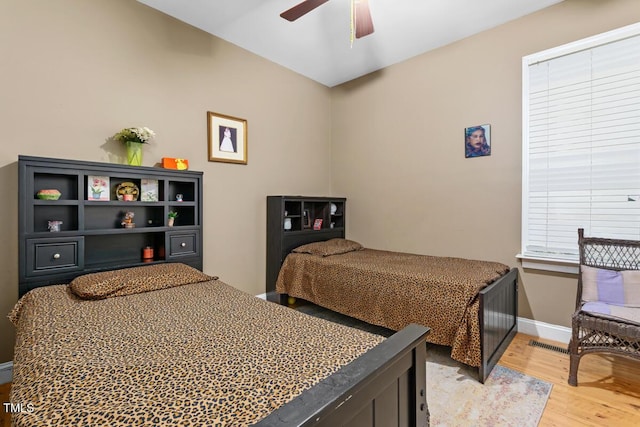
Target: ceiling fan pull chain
(353, 22)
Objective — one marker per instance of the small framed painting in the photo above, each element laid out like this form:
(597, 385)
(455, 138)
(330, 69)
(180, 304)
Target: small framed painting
(148, 190)
(98, 188)
(317, 224)
(477, 141)
(227, 138)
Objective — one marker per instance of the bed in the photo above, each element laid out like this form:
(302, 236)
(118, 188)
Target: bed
(469, 305)
(168, 345)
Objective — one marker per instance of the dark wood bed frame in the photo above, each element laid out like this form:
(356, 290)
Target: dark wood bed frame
(385, 386)
(498, 312)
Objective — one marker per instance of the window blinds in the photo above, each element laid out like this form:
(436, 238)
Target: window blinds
(581, 143)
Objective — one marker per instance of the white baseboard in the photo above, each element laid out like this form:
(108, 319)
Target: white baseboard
(6, 372)
(544, 330)
(262, 296)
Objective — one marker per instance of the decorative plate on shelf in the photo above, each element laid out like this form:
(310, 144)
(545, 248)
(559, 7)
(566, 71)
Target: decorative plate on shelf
(127, 189)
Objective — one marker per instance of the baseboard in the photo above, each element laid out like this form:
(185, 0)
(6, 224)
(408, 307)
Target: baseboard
(544, 330)
(6, 372)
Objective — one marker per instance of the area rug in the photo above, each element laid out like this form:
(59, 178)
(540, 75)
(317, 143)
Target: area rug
(456, 397)
(454, 394)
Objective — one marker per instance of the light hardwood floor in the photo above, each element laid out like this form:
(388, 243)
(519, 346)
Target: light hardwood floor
(4, 397)
(608, 392)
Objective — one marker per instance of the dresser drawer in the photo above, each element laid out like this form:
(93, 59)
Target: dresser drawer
(184, 244)
(52, 255)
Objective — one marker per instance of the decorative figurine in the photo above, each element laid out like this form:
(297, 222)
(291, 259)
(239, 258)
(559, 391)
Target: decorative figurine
(54, 226)
(127, 221)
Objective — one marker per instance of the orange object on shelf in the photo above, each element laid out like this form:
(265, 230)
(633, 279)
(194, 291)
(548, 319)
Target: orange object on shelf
(175, 163)
(147, 253)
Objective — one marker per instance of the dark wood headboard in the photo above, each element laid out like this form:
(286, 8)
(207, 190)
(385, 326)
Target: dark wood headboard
(92, 235)
(290, 223)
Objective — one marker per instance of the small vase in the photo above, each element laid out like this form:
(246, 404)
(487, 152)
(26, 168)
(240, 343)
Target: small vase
(287, 223)
(134, 153)
(170, 222)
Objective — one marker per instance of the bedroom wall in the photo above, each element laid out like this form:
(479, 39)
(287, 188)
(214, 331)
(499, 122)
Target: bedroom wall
(398, 147)
(73, 72)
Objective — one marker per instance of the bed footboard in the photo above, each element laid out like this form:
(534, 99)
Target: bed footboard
(498, 320)
(384, 387)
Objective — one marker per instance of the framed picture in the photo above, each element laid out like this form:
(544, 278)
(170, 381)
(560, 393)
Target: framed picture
(317, 224)
(477, 141)
(306, 219)
(148, 190)
(227, 138)
(98, 188)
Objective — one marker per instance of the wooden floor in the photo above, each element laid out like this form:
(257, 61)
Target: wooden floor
(608, 392)
(4, 397)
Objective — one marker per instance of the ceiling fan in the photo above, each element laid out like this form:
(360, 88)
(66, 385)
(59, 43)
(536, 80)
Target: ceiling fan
(360, 15)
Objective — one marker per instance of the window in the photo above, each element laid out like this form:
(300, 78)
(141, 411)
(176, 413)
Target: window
(581, 144)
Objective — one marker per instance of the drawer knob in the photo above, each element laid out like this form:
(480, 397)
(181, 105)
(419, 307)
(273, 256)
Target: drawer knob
(56, 256)
(183, 244)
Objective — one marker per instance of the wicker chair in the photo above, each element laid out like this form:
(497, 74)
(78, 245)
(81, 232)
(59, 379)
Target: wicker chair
(595, 328)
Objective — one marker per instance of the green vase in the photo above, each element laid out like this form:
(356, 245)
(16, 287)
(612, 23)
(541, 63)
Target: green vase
(134, 153)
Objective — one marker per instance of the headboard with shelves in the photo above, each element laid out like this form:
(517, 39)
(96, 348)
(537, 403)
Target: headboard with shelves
(91, 234)
(290, 223)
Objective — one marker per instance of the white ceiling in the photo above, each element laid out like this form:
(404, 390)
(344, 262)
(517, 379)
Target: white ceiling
(318, 44)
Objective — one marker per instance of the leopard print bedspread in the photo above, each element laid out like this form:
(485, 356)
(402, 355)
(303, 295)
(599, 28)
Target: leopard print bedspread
(198, 354)
(394, 289)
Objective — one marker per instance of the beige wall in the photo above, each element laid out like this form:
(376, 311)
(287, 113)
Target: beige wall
(398, 151)
(73, 72)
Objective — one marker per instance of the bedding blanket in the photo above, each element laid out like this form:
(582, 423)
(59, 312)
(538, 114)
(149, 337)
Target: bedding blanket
(195, 354)
(394, 289)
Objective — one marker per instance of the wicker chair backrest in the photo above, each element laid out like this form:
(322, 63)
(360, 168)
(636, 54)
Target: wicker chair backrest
(611, 254)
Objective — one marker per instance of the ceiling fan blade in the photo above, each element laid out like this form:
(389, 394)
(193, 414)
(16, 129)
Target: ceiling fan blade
(364, 23)
(301, 9)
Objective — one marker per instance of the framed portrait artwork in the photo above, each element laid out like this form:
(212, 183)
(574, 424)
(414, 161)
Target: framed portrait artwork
(477, 141)
(227, 138)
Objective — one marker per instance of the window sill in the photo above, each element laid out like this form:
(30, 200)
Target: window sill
(548, 264)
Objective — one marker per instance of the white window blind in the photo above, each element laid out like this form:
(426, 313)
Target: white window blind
(581, 143)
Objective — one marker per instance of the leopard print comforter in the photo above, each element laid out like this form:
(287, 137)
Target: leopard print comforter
(394, 289)
(197, 354)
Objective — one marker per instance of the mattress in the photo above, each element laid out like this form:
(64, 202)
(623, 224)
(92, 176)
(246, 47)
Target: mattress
(394, 289)
(200, 353)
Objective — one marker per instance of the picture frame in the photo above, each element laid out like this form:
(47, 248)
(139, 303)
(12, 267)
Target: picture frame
(98, 188)
(317, 224)
(306, 219)
(148, 190)
(227, 138)
(477, 141)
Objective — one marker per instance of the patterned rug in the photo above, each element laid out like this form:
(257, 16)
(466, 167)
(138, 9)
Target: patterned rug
(456, 397)
(454, 394)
